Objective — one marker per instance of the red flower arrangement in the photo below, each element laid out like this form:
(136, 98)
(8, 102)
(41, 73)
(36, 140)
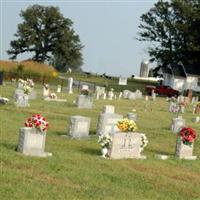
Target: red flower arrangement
(188, 135)
(37, 121)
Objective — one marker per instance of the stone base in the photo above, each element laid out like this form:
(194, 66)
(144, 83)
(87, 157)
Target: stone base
(35, 152)
(56, 100)
(78, 138)
(188, 157)
(161, 157)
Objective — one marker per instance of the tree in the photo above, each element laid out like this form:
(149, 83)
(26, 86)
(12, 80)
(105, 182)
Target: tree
(173, 29)
(47, 34)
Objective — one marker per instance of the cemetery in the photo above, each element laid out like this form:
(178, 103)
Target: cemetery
(100, 100)
(138, 137)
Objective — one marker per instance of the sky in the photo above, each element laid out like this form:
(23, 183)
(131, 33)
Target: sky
(107, 29)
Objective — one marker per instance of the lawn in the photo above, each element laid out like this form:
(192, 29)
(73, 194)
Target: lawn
(77, 171)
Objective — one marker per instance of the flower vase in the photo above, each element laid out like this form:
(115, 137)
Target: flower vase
(104, 151)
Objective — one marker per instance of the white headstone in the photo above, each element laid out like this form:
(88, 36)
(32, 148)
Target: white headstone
(79, 127)
(122, 81)
(177, 124)
(84, 101)
(109, 109)
(126, 145)
(70, 84)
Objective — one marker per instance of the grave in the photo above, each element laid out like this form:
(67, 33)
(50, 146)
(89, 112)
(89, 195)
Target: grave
(22, 101)
(59, 89)
(109, 109)
(107, 123)
(70, 84)
(122, 81)
(126, 145)
(177, 124)
(131, 96)
(184, 151)
(132, 116)
(32, 142)
(84, 101)
(79, 127)
(17, 93)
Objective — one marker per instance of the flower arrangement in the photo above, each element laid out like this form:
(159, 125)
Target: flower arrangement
(52, 96)
(85, 92)
(127, 125)
(105, 140)
(187, 135)
(27, 89)
(21, 81)
(30, 82)
(38, 122)
(144, 142)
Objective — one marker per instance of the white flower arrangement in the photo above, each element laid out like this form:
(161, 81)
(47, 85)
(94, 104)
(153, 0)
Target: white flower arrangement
(144, 142)
(27, 89)
(20, 80)
(53, 96)
(105, 140)
(4, 100)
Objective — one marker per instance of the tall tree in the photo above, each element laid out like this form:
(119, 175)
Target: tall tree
(173, 28)
(47, 34)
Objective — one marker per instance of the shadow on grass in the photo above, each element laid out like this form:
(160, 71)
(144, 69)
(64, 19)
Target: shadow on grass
(90, 151)
(12, 147)
(161, 152)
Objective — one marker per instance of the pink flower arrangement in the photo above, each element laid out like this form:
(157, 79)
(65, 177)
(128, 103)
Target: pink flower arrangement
(188, 135)
(37, 121)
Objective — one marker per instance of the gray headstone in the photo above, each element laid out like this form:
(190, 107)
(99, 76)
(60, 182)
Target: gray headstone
(84, 101)
(126, 145)
(107, 123)
(22, 101)
(79, 127)
(32, 94)
(32, 142)
(184, 151)
(177, 124)
(109, 109)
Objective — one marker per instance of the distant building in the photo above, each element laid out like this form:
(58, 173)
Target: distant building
(181, 77)
(144, 68)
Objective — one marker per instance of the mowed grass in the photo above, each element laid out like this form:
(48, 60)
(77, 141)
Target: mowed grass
(77, 171)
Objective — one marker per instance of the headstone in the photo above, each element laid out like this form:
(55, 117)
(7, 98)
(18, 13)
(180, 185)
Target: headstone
(109, 109)
(22, 101)
(110, 95)
(99, 92)
(46, 91)
(131, 96)
(196, 119)
(125, 93)
(85, 87)
(177, 124)
(79, 127)
(126, 145)
(146, 98)
(138, 94)
(17, 93)
(153, 95)
(70, 84)
(122, 81)
(32, 94)
(31, 142)
(59, 89)
(104, 96)
(107, 123)
(84, 101)
(132, 116)
(120, 95)
(184, 151)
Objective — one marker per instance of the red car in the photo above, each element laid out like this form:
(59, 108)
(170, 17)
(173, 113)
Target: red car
(162, 90)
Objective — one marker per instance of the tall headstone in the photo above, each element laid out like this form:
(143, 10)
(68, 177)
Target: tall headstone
(177, 124)
(107, 123)
(70, 84)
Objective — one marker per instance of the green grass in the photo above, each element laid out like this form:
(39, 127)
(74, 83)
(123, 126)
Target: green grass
(76, 169)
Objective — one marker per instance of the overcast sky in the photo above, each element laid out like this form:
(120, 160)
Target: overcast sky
(107, 30)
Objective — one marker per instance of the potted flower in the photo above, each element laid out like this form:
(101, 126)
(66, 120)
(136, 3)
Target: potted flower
(184, 143)
(32, 137)
(105, 142)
